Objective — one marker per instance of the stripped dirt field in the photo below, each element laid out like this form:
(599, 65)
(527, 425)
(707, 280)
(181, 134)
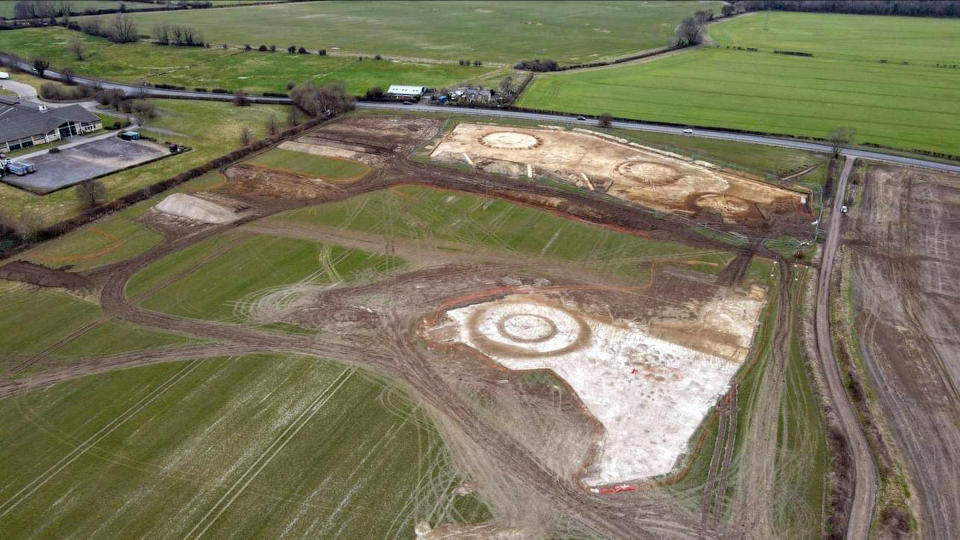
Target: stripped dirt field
(639, 174)
(903, 250)
(649, 380)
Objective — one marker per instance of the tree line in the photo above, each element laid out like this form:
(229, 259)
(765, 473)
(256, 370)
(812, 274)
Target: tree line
(910, 8)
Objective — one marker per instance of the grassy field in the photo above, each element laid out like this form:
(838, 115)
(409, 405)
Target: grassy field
(114, 238)
(251, 446)
(912, 106)
(79, 6)
(469, 222)
(332, 169)
(916, 40)
(53, 327)
(211, 129)
(502, 32)
(232, 69)
(190, 282)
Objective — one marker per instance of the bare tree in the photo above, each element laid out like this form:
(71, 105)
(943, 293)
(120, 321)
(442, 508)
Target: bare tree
(273, 126)
(90, 194)
(123, 29)
(293, 118)
(75, 47)
(246, 136)
(605, 120)
(41, 65)
(506, 85)
(240, 99)
(68, 75)
(327, 100)
(841, 137)
(29, 225)
(690, 32)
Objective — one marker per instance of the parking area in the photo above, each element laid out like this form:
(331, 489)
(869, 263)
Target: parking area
(83, 162)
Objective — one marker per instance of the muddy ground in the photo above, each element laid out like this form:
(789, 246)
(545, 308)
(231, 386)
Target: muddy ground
(904, 249)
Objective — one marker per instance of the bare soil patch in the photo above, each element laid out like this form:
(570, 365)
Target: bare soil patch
(639, 174)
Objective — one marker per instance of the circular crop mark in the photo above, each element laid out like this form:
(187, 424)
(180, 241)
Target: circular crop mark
(649, 172)
(510, 140)
(527, 330)
(725, 204)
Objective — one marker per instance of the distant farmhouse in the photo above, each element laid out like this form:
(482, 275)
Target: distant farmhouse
(23, 125)
(402, 92)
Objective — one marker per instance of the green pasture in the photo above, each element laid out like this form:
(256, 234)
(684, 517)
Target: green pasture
(232, 69)
(904, 106)
(250, 446)
(215, 278)
(79, 6)
(860, 38)
(327, 168)
(505, 32)
(458, 221)
(114, 238)
(49, 326)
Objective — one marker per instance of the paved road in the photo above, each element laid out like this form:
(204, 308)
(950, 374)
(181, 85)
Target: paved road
(865, 472)
(637, 126)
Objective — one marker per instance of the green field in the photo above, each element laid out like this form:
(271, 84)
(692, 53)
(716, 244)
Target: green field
(211, 129)
(78, 6)
(500, 32)
(232, 69)
(913, 106)
(53, 326)
(458, 221)
(191, 282)
(332, 169)
(916, 40)
(250, 446)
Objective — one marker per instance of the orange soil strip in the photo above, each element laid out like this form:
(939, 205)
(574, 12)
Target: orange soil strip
(87, 256)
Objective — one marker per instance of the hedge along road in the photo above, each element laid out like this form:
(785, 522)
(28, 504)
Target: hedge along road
(796, 144)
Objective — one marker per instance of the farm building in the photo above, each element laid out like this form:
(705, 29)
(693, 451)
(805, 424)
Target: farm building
(401, 92)
(23, 125)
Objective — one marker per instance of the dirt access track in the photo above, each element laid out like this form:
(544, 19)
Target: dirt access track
(639, 174)
(905, 260)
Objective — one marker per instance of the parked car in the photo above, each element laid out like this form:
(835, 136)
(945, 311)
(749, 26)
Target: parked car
(4, 75)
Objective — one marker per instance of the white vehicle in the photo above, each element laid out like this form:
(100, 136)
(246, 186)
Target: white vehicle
(688, 131)
(843, 209)
(581, 118)
(4, 75)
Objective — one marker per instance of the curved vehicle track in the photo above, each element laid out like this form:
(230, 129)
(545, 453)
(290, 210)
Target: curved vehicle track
(865, 471)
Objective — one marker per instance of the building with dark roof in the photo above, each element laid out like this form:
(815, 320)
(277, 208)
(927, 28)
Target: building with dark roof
(23, 125)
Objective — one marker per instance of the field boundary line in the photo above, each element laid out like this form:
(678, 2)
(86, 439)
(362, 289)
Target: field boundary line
(91, 441)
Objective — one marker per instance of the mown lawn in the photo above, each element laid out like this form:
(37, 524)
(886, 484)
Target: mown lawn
(455, 220)
(215, 279)
(211, 129)
(232, 69)
(904, 106)
(493, 32)
(252, 446)
(327, 168)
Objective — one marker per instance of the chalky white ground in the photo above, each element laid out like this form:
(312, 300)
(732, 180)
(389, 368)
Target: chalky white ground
(650, 395)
